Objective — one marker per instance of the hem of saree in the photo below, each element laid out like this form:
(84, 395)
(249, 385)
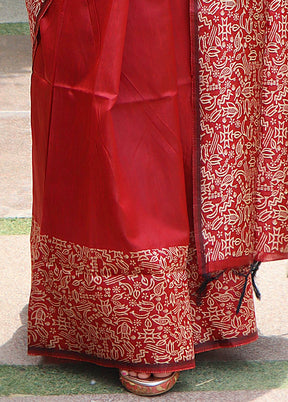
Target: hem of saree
(269, 257)
(236, 262)
(226, 343)
(157, 368)
(233, 263)
(140, 367)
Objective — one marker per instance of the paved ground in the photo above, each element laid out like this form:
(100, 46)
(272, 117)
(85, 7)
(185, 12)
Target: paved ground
(15, 201)
(12, 11)
(15, 139)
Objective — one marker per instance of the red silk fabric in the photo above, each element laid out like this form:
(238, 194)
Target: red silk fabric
(127, 139)
(119, 184)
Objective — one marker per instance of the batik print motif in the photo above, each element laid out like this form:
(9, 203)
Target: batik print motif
(33, 9)
(138, 308)
(272, 196)
(110, 305)
(244, 129)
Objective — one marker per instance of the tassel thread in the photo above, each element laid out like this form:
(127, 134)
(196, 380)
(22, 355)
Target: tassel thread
(253, 270)
(201, 292)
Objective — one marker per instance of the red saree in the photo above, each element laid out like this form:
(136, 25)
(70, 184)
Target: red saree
(159, 158)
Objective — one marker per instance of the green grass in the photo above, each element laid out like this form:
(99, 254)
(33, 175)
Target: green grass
(76, 378)
(15, 226)
(14, 28)
(237, 375)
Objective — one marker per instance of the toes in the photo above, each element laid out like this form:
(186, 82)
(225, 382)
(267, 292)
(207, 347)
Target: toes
(132, 373)
(144, 376)
(161, 375)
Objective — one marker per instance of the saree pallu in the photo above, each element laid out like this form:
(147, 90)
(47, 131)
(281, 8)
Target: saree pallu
(159, 164)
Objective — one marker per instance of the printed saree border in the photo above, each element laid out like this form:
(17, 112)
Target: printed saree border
(96, 302)
(199, 348)
(157, 368)
(196, 149)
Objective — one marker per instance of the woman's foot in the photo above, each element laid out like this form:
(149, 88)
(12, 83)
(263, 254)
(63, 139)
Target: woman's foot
(145, 376)
(148, 384)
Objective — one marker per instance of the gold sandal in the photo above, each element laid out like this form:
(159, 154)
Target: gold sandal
(148, 387)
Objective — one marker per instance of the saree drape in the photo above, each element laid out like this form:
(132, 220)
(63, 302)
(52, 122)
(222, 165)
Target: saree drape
(159, 157)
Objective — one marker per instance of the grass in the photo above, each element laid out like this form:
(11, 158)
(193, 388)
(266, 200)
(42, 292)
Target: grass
(14, 28)
(15, 226)
(82, 378)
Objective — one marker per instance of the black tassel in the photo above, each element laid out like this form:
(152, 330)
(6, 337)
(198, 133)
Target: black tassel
(253, 269)
(243, 293)
(201, 292)
(253, 274)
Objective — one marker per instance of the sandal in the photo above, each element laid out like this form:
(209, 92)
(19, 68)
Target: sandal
(148, 387)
